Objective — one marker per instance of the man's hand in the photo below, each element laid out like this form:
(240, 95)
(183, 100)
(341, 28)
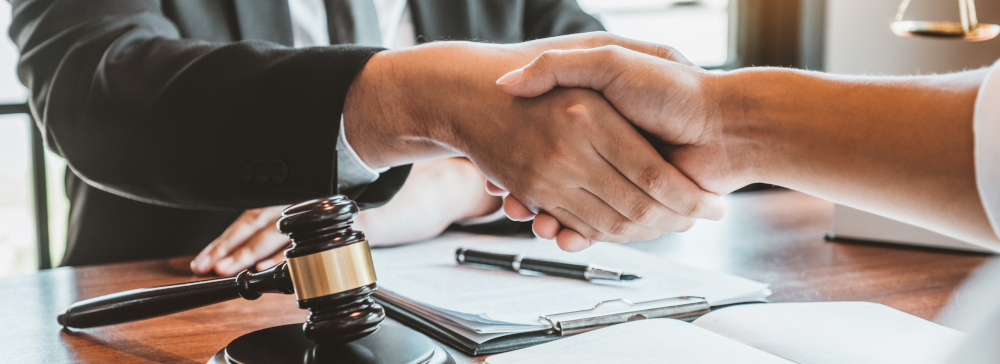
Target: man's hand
(437, 193)
(568, 153)
(252, 240)
(671, 100)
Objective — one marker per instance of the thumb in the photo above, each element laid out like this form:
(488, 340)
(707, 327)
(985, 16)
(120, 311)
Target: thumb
(593, 68)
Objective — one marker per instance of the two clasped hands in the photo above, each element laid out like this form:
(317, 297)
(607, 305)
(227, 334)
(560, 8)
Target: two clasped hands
(554, 126)
(585, 170)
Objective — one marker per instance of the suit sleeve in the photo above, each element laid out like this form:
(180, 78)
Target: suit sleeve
(139, 112)
(550, 18)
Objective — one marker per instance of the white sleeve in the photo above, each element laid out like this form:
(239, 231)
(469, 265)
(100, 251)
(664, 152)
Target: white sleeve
(351, 170)
(987, 145)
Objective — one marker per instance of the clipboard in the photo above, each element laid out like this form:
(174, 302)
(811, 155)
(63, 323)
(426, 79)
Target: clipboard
(606, 313)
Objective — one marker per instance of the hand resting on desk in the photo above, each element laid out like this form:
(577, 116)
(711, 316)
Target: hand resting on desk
(437, 193)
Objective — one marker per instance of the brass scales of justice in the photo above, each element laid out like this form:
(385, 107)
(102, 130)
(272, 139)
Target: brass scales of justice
(967, 29)
(328, 268)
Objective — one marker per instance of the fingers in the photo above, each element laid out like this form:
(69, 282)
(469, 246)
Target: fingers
(663, 196)
(595, 220)
(652, 49)
(595, 68)
(245, 226)
(515, 210)
(572, 241)
(264, 245)
(270, 262)
(495, 190)
(587, 68)
(545, 226)
(599, 39)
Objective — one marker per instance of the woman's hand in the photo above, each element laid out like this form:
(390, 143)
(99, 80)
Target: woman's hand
(437, 193)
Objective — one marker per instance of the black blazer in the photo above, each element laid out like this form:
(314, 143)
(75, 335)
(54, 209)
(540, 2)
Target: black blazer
(174, 116)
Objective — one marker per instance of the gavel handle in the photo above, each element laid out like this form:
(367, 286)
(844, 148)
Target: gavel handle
(144, 303)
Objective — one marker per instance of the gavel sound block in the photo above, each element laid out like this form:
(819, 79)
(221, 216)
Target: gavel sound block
(329, 269)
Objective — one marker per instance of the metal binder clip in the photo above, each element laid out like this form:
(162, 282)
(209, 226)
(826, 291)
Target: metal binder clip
(618, 311)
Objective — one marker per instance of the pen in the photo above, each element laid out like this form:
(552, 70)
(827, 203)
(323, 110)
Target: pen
(518, 262)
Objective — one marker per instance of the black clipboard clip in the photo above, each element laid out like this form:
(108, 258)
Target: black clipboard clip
(618, 311)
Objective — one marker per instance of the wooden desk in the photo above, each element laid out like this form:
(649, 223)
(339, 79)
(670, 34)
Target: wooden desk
(774, 236)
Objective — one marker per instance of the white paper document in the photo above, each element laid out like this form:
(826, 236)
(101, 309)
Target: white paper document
(483, 304)
(806, 333)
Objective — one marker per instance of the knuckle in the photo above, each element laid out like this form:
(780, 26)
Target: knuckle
(613, 51)
(244, 254)
(688, 207)
(547, 57)
(653, 181)
(578, 113)
(619, 227)
(606, 50)
(666, 52)
(643, 213)
(599, 236)
(604, 37)
(252, 215)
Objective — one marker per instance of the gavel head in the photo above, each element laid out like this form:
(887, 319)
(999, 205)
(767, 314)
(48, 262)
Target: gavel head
(331, 269)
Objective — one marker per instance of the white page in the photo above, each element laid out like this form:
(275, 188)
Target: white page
(834, 332)
(644, 341)
(427, 274)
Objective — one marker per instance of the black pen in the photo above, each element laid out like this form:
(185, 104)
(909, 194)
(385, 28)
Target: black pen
(518, 262)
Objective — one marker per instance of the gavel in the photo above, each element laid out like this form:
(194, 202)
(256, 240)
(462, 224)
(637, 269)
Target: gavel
(328, 268)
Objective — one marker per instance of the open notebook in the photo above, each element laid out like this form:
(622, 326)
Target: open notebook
(807, 333)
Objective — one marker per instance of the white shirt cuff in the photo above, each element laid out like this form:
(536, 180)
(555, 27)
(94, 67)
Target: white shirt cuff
(351, 170)
(987, 145)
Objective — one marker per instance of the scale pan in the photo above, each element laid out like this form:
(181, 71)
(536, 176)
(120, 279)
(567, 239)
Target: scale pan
(944, 29)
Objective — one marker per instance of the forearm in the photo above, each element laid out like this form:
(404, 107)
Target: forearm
(405, 104)
(434, 100)
(902, 147)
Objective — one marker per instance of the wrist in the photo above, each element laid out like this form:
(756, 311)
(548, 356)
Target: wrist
(740, 118)
(386, 115)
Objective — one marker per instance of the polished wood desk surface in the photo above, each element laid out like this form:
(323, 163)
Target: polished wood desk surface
(772, 236)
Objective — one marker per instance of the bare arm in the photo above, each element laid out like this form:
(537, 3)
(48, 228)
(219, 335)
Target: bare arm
(898, 146)
(901, 147)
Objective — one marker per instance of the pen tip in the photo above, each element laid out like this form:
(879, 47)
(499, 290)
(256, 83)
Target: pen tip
(629, 277)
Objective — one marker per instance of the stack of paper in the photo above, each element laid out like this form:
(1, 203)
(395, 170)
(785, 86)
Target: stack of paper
(483, 304)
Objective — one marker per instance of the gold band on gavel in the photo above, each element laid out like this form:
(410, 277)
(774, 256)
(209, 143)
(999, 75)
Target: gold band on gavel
(332, 271)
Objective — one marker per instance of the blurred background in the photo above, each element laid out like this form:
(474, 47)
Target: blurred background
(842, 36)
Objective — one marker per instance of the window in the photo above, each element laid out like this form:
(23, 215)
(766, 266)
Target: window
(698, 29)
(17, 223)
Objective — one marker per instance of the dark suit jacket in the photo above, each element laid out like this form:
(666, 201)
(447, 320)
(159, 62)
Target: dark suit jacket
(174, 116)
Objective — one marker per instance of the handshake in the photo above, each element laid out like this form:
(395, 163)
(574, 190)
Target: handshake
(601, 138)
(641, 188)
(561, 137)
